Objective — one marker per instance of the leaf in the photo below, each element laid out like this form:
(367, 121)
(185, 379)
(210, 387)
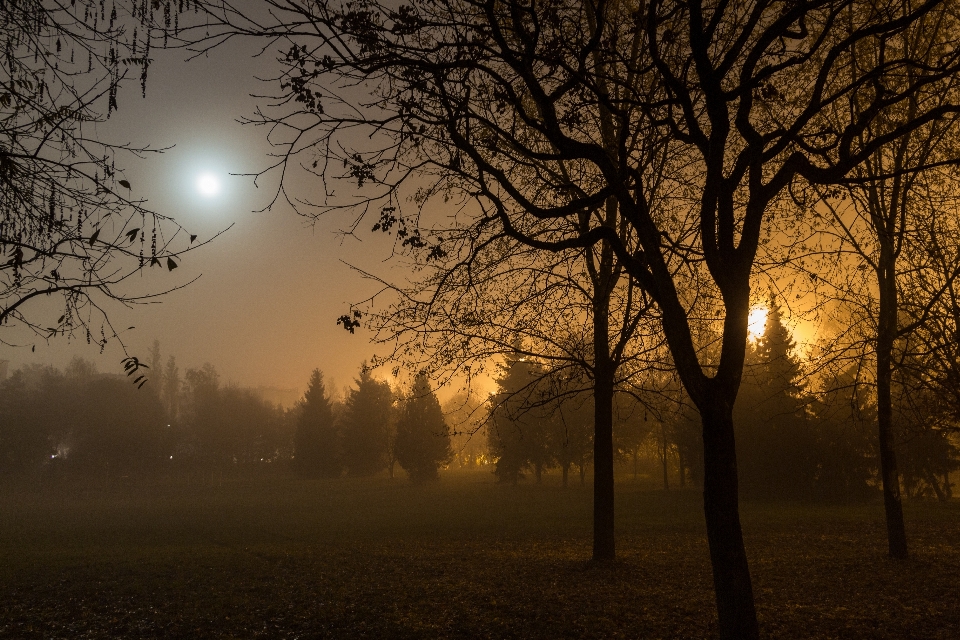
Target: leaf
(61, 319)
(93, 238)
(192, 238)
(124, 183)
(33, 348)
(154, 262)
(171, 265)
(132, 234)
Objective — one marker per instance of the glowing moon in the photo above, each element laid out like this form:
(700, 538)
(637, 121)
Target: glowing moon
(756, 322)
(208, 185)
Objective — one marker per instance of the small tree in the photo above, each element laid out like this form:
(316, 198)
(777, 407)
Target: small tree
(423, 438)
(511, 429)
(365, 426)
(316, 442)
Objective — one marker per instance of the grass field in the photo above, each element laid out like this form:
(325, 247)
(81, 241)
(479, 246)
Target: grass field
(466, 558)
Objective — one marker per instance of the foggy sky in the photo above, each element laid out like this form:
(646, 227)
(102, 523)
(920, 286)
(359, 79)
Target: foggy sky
(264, 310)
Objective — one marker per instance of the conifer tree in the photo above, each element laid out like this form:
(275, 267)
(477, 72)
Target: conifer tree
(846, 441)
(515, 418)
(365, 427)
(775, 443)
(316, 444)
(423, 437)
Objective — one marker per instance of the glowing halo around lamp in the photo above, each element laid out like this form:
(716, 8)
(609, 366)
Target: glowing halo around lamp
(208, 185)
(757, 322)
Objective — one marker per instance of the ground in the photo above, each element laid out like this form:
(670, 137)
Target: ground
(279, 557)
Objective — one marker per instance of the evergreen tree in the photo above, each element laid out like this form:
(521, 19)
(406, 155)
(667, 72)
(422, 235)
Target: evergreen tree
(514, 418)
(365, 426)
(423, 438)
(316, 441)
(776, 445)
(846, 440)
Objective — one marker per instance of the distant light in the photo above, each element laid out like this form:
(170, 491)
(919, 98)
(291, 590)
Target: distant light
(757, 322)
(208, 185)
(171, 457)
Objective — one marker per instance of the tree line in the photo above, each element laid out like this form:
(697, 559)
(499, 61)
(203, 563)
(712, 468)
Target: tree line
(671, 154)
(640, 170)
(81, 421)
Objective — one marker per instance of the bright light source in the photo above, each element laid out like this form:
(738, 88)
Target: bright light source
(756, 322)
(208, 185)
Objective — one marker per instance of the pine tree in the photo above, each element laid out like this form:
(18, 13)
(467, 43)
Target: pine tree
(423, 438)
(511, 433)
(365, 426)
(845, 418)
(775, 443)
(316, 442)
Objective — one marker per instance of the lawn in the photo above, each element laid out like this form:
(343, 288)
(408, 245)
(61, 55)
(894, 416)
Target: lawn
(279, 557)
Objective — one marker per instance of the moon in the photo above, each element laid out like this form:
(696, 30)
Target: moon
(208, 185)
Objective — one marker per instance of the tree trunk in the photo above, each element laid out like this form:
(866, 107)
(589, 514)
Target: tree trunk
(731, 574)
(932, 480)
(683, 471)
(604, 547)
(663, 460)
(889, 476)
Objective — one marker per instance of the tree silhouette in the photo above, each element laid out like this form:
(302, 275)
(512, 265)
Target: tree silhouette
(776, 444)
(365, 426)
(422, 445)
(499, 104)
(515, 417)
(71, 226)
(316, 441)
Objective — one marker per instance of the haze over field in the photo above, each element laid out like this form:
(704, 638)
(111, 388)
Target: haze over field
(493, 318)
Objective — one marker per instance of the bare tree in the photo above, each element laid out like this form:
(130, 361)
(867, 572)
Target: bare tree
(71, 226)
(897, 219)
(574, 312)
(502, 101)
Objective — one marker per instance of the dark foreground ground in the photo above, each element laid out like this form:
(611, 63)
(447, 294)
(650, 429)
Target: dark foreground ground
(286, 558)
